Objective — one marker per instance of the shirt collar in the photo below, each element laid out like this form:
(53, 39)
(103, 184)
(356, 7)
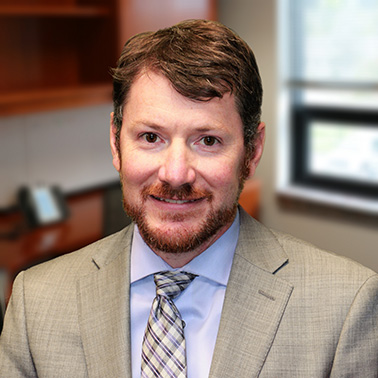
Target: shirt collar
(214, 263)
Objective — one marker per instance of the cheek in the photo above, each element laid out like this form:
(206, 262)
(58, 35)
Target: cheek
(136, 169)
(224, 177)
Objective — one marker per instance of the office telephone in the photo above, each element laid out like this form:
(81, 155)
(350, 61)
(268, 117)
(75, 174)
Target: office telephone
(42, 205)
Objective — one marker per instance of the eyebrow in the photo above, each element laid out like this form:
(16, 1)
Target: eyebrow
(142, 123)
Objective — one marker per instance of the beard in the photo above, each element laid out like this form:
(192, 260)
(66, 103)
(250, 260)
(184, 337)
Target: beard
(178, 239)
(182, 239)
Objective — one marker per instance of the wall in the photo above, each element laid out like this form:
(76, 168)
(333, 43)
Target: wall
(345, 234)
(69, 148)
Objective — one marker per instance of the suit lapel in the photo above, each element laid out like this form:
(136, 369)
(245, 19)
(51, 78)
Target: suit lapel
(254, 304)
(104, 315)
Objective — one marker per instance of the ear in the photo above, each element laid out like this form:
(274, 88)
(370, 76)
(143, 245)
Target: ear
(258, 149)
(113, 144)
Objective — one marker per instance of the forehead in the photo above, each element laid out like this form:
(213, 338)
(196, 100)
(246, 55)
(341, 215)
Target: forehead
(153, 97)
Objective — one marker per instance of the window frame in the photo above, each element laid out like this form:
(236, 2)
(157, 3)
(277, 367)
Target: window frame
(302, 117)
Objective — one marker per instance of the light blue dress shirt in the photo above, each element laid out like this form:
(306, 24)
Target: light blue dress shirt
(200, 304)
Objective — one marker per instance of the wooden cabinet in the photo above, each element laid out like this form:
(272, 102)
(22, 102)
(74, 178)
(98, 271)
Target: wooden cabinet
(58, 53)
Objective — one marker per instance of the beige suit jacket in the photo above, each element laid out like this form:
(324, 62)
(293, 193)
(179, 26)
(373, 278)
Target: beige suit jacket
(290, 310)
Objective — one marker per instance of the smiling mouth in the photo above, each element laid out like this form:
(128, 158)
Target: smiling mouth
(174, 201)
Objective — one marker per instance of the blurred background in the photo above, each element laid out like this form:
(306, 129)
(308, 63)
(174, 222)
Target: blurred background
(317, 180)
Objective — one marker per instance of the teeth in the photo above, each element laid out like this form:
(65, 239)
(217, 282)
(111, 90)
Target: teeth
(175, 201)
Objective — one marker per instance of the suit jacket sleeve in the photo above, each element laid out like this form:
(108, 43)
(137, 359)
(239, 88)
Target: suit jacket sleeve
(15, 357)
(357, 350)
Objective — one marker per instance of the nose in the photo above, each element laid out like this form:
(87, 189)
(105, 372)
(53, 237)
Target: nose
(177, 166)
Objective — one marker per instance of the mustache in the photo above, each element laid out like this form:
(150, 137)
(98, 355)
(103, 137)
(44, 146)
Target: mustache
(185, 192)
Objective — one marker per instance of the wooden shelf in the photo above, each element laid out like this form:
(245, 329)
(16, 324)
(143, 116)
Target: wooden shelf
(54, 98)
(58, 53)
(53, 11)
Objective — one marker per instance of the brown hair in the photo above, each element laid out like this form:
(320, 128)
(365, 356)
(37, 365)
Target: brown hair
(202, 60)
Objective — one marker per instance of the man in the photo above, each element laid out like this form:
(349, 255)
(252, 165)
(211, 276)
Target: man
(185, 135)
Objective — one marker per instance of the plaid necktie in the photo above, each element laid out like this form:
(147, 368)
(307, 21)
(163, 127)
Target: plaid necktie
(163, 350)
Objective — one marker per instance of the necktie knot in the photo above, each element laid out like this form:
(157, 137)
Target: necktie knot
(171, 284)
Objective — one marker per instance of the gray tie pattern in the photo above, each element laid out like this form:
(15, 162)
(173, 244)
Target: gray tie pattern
(163, 350)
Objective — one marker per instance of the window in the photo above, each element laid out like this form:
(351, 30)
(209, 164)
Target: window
(329, 99)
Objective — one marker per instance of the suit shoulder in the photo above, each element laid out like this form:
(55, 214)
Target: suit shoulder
(305, 254)
(82, 261)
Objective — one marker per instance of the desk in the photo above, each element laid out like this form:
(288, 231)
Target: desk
(83, 226)
(250, 197)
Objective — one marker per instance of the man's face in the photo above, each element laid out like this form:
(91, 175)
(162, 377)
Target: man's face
(180, 163)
